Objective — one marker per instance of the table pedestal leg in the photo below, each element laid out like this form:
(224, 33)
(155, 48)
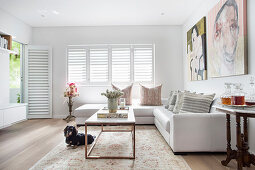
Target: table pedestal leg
(239, 144)
(231, 154)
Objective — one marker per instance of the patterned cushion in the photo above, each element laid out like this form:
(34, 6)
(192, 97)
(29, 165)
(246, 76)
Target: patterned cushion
(179, 100)
(169, 97)
(196, 103)
(150, 96)
(172, 101)
(127, 93)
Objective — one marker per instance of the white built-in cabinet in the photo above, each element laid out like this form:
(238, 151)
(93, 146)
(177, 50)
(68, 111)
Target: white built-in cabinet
(12, 114)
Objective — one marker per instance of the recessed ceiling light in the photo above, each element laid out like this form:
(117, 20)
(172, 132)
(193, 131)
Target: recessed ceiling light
(55, 12)
(43, 13)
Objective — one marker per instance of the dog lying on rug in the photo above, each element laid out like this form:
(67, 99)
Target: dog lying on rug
(73, 138)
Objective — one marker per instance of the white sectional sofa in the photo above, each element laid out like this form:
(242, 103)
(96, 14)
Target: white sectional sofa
(186, 132)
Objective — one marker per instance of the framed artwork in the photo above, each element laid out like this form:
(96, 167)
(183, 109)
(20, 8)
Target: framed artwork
(227, 39)
(196, 51)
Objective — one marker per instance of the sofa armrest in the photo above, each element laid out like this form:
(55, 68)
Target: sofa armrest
(194, 131)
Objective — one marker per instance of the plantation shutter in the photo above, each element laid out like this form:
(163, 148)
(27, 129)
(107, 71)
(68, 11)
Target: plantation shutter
(38, 81)
(99, 65)
(121, 64)
(77, 59)
(143, 64)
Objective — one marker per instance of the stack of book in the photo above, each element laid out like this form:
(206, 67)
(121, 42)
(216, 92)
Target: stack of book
(104, 113)
(3, 42)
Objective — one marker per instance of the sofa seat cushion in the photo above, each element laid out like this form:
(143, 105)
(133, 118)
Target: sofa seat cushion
(163, 116)
(88, 110)
(145, 111)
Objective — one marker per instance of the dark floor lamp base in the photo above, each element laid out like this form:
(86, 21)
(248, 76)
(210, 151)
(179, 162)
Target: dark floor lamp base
(69, 118)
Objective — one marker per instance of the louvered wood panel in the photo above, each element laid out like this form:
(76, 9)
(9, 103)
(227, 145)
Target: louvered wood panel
(143, 64)
(99, 65)
(38, 81)
(77, 59)
(121, 64)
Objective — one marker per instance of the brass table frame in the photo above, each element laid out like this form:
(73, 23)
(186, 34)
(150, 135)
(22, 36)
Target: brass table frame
(88, 152)
(242, 156)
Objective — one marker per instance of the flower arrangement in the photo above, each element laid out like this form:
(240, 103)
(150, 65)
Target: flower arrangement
(112, 94)
(71, 90)
(112, 99)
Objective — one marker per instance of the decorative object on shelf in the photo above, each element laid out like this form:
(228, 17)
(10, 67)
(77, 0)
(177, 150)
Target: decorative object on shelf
(196, 51)
(112, 99)
(238, 97)
(6, 42)
(122, 103)
(127, 93)
(227, 39)
(71, 91)
(226, 97)
(250, 97)
(104, 113)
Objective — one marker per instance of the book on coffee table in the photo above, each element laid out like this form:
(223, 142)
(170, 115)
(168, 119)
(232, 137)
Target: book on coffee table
(103, 113)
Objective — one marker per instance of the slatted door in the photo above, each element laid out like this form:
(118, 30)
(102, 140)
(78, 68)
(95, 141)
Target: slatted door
(38, 81)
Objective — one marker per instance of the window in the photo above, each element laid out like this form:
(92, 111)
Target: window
(99, 65)
(15, 73)
(102, 64)
(77, 63)
(121, 64)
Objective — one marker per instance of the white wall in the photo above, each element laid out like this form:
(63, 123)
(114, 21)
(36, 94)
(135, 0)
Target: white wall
(4, 77)
(168, 41)
(15, 27)
(216, 85)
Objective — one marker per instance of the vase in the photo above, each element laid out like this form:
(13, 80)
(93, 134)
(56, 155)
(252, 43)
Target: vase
(113, 105)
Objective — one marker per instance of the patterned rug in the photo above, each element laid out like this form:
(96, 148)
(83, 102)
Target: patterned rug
(152, 152)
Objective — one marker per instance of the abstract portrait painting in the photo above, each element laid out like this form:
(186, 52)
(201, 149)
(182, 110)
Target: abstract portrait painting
(227, 39)
(196, 51)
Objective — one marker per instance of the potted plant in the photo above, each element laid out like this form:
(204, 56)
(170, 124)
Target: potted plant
(112, 99)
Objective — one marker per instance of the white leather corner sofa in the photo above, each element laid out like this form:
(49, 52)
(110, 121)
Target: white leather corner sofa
(186, 132)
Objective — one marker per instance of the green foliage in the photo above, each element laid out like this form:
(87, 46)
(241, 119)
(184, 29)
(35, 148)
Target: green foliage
(112, 94)
(18, 98)
(15, 66)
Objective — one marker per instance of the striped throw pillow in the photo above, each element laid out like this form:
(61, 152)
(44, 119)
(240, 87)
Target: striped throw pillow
(198, 103)
(172, 101)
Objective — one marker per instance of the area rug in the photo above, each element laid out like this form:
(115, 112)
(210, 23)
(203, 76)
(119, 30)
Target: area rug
(152, 152)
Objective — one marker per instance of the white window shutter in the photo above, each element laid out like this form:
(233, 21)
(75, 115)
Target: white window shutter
(121, 64)
(77, 59)
(143, 64)
(38, 81)
(99, 65)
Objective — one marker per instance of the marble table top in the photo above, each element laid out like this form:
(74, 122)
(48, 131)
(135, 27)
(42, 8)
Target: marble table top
(95, 119)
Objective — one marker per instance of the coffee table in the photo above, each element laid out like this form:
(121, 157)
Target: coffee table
(93, 120)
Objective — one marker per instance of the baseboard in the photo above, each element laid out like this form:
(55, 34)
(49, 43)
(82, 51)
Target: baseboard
(59, 116)
(5, 126)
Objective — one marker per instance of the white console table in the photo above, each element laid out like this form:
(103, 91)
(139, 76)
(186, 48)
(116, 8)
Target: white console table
(12, 113)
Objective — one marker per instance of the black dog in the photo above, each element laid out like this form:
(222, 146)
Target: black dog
(74, 138)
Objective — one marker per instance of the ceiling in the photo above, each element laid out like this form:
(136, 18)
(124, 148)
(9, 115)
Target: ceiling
(47, 13)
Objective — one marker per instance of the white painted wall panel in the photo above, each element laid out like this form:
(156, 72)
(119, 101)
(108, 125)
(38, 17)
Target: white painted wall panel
(168, 64)
(216, 85)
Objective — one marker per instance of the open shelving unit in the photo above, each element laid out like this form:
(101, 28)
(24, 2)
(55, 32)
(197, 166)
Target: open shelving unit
(7, 51)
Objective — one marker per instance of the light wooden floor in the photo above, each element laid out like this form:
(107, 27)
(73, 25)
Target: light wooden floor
(23, 144)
